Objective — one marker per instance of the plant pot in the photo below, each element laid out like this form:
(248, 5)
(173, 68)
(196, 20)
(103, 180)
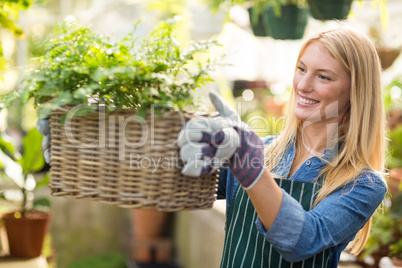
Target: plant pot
(26, 234)
(272, 107)
(150, 238)
(387, 56)
(330, 9)
(291, 24)
(397, 261)
(258, 25)
(394, 180)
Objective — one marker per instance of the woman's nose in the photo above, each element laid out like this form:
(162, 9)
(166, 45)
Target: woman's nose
(305, 83)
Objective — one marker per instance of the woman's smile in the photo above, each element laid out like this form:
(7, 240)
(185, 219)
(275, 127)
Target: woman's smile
(305, 101)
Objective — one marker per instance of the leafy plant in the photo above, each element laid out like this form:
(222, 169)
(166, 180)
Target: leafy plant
(9, 11)
(9, 14)
(17, 169)
(392, 94)
(386, 232)
(395, 147)
(276, 4)
(84, 67)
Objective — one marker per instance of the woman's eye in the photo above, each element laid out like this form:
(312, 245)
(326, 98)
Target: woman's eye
(300, 69)
(324, 77)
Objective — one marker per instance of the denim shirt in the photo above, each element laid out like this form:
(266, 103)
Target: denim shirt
(298, 234)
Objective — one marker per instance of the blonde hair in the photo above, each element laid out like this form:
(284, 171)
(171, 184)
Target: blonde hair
(362, 130)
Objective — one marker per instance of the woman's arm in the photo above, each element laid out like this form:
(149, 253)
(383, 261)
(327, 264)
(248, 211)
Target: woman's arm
(266, 197)
(298, 234)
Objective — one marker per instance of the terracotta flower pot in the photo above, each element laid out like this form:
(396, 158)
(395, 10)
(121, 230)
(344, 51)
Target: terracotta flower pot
(394, 180)
(26, 234)
(397, 262)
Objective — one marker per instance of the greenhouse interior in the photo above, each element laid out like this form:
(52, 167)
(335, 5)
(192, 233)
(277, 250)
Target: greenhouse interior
(122, 123)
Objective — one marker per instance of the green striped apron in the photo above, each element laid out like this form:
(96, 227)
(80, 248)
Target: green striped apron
(246, 247)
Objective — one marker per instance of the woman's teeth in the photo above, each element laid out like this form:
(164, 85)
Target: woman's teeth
(303, 100)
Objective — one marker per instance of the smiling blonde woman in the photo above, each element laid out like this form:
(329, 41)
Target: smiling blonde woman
(299, 199)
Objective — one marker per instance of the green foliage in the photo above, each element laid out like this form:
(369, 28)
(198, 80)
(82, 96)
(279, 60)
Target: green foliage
(108, 260)
(167, 8)
(389, 102)
(276, 4)
(386, 232)
(264, 124)
(395, 147)
(381, 232)
(9, 13)
(81, 66)
(396, 249)
(30, 162)
(18, 168)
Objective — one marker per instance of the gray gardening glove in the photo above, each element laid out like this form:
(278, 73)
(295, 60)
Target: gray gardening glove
(43, 127)
(208, 143)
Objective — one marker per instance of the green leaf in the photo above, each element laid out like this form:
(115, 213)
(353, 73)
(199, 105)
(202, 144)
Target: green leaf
(32, 159)
(12, 170)
(7, 146)
(44, 181)
(42, 203)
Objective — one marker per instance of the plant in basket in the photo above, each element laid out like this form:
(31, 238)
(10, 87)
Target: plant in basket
(27, 224)
(81, 65)
(122, 104)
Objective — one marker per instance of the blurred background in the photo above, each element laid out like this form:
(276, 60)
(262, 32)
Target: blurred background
(256, 79)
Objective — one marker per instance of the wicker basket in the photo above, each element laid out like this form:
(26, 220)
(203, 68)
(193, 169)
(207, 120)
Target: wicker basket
(120, 159)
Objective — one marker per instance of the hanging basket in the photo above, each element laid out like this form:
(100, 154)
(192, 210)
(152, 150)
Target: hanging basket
(291, 24)
(125, 160)
(387, 56)
(258, 24)
(330, 9)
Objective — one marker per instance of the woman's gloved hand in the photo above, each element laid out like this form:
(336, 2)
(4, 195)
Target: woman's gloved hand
(208, 143)
(43, 127)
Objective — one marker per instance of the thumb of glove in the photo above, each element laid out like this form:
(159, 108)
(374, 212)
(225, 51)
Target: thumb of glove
(223, 107)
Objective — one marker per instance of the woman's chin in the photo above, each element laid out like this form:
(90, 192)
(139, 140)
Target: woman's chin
(311, 114)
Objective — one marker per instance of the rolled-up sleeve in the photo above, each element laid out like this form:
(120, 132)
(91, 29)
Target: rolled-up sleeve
(298, 234)
(288, 225)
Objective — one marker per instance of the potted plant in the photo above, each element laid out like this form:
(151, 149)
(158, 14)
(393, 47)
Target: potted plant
(386, 234)
(27, 224)
(280, 19)
(258, 26)
(387, 54)
(286, 19)
(107, 93)
(330, 9)
(81, 66)
(394, 119)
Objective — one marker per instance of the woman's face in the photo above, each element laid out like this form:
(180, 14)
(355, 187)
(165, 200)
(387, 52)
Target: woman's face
(322, 86)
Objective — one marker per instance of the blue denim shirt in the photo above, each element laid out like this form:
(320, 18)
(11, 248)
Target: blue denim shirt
(298, 234)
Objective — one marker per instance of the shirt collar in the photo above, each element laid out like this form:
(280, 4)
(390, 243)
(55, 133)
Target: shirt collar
(285, 163)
